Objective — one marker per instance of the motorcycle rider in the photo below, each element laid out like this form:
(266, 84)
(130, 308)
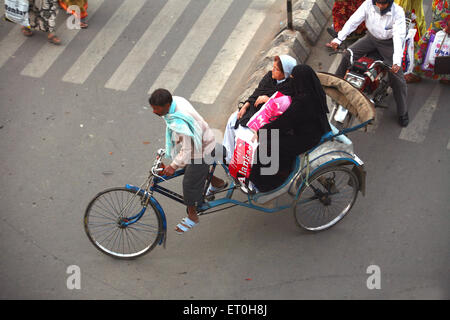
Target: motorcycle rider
(386, 26)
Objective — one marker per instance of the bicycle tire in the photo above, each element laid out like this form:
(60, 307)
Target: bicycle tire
(330, 192)
(110, 219)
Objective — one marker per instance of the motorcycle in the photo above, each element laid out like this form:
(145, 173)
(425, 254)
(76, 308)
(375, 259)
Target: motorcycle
(369, 74)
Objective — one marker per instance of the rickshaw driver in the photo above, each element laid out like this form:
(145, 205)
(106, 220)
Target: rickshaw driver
(185, 127)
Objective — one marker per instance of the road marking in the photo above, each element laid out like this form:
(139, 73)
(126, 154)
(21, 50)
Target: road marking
(10, 44)
(448, 145)
(228, 57)
(45, 57)
(417, 129)
(189, 49)
(127, 72)
(104, 40)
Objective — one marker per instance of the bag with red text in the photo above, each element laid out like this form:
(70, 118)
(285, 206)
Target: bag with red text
(243, 156)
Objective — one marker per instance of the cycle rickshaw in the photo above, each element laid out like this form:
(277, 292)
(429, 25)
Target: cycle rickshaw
(128, 222)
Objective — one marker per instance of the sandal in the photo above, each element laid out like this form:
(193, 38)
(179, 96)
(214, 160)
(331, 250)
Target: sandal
(54, 39)
(83, 25)
(185, 225)
(26, 32)
(412, 78)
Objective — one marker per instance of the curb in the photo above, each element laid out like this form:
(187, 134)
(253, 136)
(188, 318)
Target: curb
(310, 17)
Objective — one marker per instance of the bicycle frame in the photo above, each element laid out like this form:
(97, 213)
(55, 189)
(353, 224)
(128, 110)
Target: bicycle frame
(154, 180)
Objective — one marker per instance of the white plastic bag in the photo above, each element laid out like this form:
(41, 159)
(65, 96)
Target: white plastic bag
(409, 54)
(17, 11)
(439, 47)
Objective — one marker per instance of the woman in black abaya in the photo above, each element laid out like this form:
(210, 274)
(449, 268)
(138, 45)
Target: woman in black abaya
(276, 80)
(300, 127)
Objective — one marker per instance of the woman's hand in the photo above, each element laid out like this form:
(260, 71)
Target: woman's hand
(243, 110)
(261, 99)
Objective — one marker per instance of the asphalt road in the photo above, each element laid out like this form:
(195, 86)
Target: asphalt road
(67, 135)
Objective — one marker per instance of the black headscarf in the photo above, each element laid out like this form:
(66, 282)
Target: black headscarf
(305, 83)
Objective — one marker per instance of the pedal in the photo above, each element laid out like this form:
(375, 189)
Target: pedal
(340, 114)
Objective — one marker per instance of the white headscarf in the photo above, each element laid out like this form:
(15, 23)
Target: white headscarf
(288, 64)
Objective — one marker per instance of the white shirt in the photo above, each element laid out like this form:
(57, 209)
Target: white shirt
(187, 151)
(391, 25)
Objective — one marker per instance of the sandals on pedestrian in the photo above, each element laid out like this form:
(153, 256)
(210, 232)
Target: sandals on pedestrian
(185, 225)
(26, 32)
(54, 39)
(83, 25)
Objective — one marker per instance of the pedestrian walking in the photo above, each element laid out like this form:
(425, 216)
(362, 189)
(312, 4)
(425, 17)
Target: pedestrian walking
(82, 5)
(440, 21)
(414, 9)
(42, 16)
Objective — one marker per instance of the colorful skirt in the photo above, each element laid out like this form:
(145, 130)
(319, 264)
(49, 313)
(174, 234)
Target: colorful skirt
(440, 17)
(416, 7)
(42, 14)
(82, 4)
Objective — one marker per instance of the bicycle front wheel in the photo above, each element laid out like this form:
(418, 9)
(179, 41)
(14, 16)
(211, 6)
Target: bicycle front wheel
(327, 199)
(118, 225)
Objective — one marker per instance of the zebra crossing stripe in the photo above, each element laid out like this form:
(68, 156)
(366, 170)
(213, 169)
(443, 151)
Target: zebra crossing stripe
(45, 57)
(189, 49)
(104, 40)
(228, 57)
(129, 69)
(417, 129)
(13, 40)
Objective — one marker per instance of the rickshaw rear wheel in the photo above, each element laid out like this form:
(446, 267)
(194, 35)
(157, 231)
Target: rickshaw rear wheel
(327, 199)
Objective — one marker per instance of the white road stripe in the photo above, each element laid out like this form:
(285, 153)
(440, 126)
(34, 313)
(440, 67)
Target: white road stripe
(417, 129)
(189, 49)
(448, 145)
(124, 76)
(13, 40)
(228, 57)
(45, 57)
(104, 40)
